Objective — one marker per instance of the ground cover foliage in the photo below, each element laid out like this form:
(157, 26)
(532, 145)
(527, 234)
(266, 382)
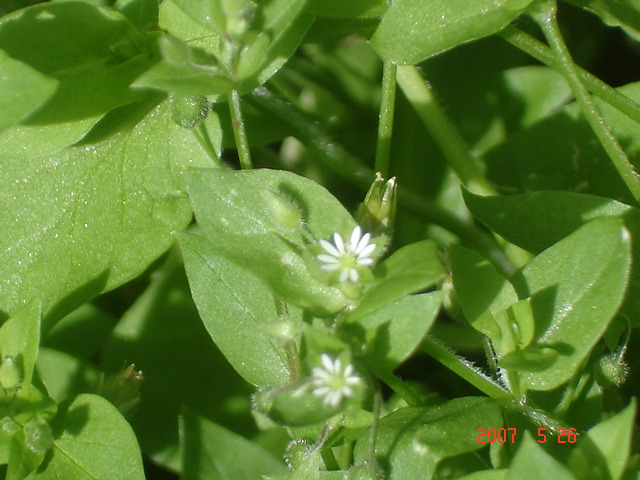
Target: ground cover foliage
(318, 239)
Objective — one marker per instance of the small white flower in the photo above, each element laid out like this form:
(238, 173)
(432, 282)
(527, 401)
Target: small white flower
(333, 382)
(347, 258)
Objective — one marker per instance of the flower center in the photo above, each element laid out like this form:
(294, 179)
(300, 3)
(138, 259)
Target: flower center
(348, 261)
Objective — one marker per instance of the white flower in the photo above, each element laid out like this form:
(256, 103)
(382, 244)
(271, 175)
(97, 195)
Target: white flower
(332, 382)
(347, 258)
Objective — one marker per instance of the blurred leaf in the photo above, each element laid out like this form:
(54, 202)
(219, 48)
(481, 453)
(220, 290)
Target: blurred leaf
(486, 475)
(162, 334)
(615, 13)
(23, 90)
(353, 8)
(413, 440)
(603, 452)
(393, 332)
(576, 286)
(92, 442)
(408, 270)
(142, 13)
(211, 452)
(66, 376)
(92, 217)
(531, 462)
(535, 221)
(232, 304)
(412, 31)
(235, 211)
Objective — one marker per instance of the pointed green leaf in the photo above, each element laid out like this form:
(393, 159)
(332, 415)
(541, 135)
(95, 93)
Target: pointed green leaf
(576, 286)
(353, 8)
(533, 463)
(92, 442)
(412, 31)
(233, 303)
(20, 340)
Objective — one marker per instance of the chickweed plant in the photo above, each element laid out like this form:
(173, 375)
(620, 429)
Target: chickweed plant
(319, 239)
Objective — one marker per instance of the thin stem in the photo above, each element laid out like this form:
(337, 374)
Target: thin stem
(334, 156)
(466, 370)
(546, 18)
(541, 52)
(442, 130)
(237, 122)
(290, 347)
(398, 386)
(373, 435)
(385, 121)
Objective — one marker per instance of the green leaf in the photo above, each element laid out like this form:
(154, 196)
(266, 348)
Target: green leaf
(576, 286)
(209, 13)
(486, 475)
(412, 31)
(615, 13)
(233, 303)
(142, 13)
(19, 343)
(483, 293)
(22, 90)
(413, 440)
(239, 212)
(531, 462)
(603, 452)
(92, 442)
(66, 376)
(94, 216)
(98, 53)
(354, 8)
(410, 269)
(535, 221)
(393, 332)
(188, 371)
(212, 452)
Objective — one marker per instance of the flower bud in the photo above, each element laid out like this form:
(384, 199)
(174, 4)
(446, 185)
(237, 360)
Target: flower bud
(38, 436)
(297, 450)
(10, 373)
(123, 388)
(282, 209)
(377, 212)
(365, 471)
(611, 371)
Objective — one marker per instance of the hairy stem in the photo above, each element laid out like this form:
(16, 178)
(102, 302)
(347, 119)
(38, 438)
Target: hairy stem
(237, 122)
(546, 18)
(385, 123)
(442, 130)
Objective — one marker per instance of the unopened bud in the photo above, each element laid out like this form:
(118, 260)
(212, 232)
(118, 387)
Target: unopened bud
(612, 371)
(296, 452)
(365, 471)
(376, 214)
(38, 436)
(10, 373)
(282, 209)
(123, 388)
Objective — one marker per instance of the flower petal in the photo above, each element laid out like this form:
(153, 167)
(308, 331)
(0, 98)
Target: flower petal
(337, 240)
(355, 238)
(329, 248)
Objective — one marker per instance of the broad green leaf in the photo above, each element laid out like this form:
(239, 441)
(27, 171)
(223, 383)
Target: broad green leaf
(22, 90)
(576, 286)
(241, 213)
(483, 293)
(393, 332)
(19, 343)
(412, 440)
(533, 463)
(142, 13)
(163, 335)
(91, 217)
(233, 303)
(174, 19)
(66, 376)
(92, 442)
(98, 52)
(499, 474)
(209, 13)
(412, 268)
(354, 8)
(535, 221)
(412, 31)
(211, 452)
(615, 13)
(603, 452)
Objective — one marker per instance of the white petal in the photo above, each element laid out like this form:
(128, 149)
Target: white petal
(323, 257)
(329, 266)
(343, 276)
(346, 391)
(353, 380)
(333, 399)
(355, 238)
(368, 250)
(348, 371)
(321, 391)
(327, 363)
(353, 274)
(337, 367)
(337, 239)
(363, 243)
(366, 261)
(329, 248)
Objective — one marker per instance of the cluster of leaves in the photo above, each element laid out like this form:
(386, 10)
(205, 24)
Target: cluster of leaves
(123, 129)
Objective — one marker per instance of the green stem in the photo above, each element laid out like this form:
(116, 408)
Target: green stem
(442, 130)
(385, 122)
(466, 370)
(541, 52)
(546, 18)
(237, 122)
(334, 156)
(398, 386)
